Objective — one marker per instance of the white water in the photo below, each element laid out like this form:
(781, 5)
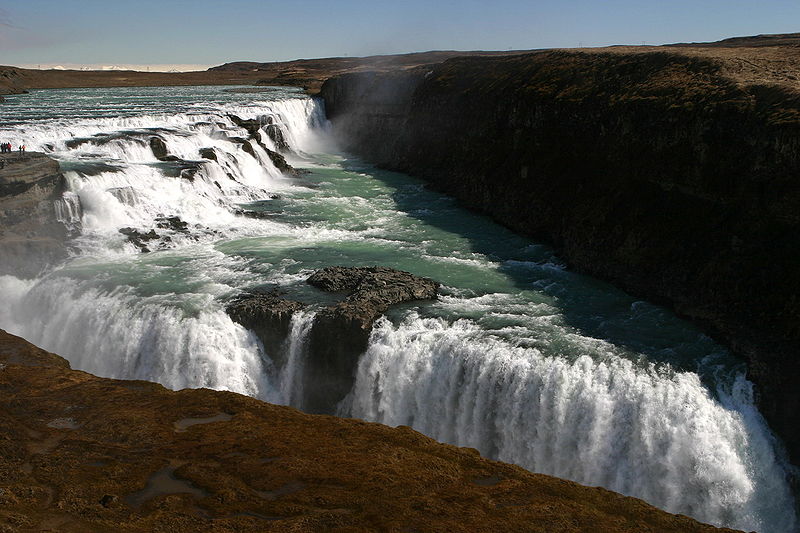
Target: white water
(583, 408)
(598, 420)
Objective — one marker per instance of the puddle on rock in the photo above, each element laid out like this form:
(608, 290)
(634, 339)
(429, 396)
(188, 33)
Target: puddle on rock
(184, 423)
(63, 423)
(164, 482)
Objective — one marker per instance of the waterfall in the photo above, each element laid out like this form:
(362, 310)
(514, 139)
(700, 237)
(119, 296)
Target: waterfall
(106, 311)
(68, 210)
(598, 419)
(291, 376)
(583, 409)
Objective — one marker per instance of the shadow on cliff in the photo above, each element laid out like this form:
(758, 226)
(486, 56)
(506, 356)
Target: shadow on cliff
(595, 308)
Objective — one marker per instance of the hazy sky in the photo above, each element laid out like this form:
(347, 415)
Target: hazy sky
(205, 32)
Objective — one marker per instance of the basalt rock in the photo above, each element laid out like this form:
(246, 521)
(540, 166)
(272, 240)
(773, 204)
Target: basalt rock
(269, 316)
(159, 148)
(208, 153)
(280, 163)
(246, 146)
(275, 133)
(341, 332)
(172, 223)
(253, 127)
(140, 239)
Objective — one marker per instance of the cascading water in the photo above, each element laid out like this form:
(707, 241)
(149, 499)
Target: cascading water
(599, 419)
(520, 358)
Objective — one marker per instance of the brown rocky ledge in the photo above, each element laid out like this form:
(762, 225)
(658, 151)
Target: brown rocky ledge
(82, 453)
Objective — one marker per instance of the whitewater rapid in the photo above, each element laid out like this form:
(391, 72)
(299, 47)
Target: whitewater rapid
(520, 358)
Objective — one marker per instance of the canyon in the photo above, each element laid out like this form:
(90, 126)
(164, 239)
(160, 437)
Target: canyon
(669, 171)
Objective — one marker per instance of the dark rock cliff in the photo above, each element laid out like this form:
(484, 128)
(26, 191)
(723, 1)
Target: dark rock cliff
(659, 172)
(341, 331)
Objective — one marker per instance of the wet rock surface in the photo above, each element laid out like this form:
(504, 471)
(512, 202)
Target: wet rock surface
(208, 153)
(249, 466)
(341, 331)
(159, 148)
(146, 241)
(140, 238)
(181, 168)
(269, 316)
(31, 235)
(253, 127)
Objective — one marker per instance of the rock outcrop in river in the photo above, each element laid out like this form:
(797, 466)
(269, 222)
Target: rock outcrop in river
(97, 454)
(669, 172)
(340, 331)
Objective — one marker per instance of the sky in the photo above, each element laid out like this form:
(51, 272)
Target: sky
(188, 34)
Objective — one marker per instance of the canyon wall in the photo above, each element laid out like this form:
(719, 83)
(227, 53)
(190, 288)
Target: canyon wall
(671, 174)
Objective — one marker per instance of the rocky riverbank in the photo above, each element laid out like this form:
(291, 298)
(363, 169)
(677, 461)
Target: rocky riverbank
(96, 454)
(668, 171)
(31, 234)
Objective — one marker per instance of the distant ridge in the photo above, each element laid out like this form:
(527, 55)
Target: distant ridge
(752, 41)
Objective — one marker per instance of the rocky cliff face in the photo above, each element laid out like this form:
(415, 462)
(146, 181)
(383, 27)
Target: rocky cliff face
(673, 174)
(340, 332)
(31, 234)
(95, 454)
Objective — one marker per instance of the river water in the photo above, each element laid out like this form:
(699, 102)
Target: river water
(520, 358)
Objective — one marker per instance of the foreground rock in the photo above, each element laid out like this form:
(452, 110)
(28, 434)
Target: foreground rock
(96, 454)
(671, 172)
(31, 234)
(341, 331)
(269, 316)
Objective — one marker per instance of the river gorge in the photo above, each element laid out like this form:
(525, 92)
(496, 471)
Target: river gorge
(520, 356)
